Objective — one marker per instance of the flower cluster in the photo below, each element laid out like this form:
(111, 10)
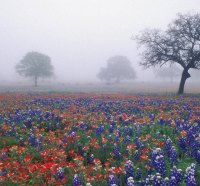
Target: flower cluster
(99, 139)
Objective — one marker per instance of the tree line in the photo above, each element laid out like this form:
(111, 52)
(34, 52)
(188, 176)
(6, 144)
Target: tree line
(178, 44)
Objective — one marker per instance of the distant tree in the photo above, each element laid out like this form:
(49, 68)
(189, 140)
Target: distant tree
(180, 43)
(118, 68)
(168, 72)
(104, 75)
(36, 65)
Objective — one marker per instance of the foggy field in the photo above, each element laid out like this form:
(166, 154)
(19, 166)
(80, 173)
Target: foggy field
(132, 88)
(100, 92)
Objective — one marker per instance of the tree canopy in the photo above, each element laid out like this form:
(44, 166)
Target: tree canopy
(179, 43)
(35, 64)
(118, 68)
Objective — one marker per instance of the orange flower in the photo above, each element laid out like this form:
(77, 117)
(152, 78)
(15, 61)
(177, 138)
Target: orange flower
(148, 136)
(86, 148)
(97, 161)
(117, 170)
(183, 133)
(28, 159)
(146, 149)
(90, 178)
(93, 141)
(144, 157)
(78, 157)
(98, 176)
(97, 145)
(32, 168)
(104, 140)
(159, 143)
(2, 178)
(131, 146)
(106, 163)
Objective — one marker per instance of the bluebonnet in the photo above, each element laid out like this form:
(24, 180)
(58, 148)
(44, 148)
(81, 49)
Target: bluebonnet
(50, 127)
(77, 180)
(157, 180)
(190, 175)
(3, 173)
(160, 164)
(173, 155)
(110, 138)
(112, 180)
(138, 142)
(198, 156)
(162, 121)
(138, 130)
(17, 135)
(98, 132)
(168, 146)
(127, 139)
(91, 159)
(157, 160)
(172, 181)
(136, 156)
(152, 116)
(4, 155)
(111, 128)
(166, 182)
(130, 181)
(177, 174)
(195, 149)
(65, 137)
(38, 143)
(138, 174)
(60, 173)
(119, 130)
(126, 122)
(116, 152)
(21, 141)
(126, 130)
(129, 171)
(146, 181)
(57, 125)
(32, 139)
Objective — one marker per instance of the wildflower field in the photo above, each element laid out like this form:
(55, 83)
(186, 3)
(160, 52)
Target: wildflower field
(99, 140)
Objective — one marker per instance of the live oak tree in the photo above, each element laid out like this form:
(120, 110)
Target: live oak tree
(105, 75)
(118, 68)
(179, 44)
(36, 65)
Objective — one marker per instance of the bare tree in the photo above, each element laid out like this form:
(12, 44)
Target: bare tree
(118, 68)
(35, 64)
(180, 43)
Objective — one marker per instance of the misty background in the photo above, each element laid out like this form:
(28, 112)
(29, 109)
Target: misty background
(80, 35)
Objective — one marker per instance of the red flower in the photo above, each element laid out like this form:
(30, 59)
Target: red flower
(117, 170)
(98, 176)
(28, 159)
(144, 157)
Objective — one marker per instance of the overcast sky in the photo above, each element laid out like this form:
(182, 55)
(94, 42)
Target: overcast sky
(80, 35)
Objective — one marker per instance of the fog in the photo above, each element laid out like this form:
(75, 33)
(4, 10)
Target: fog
(80, 35)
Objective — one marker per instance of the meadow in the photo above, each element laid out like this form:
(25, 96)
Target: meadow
(99, 139)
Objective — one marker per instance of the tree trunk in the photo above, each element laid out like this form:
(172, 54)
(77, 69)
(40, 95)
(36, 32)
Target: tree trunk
(185, 75)
(36, 81)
